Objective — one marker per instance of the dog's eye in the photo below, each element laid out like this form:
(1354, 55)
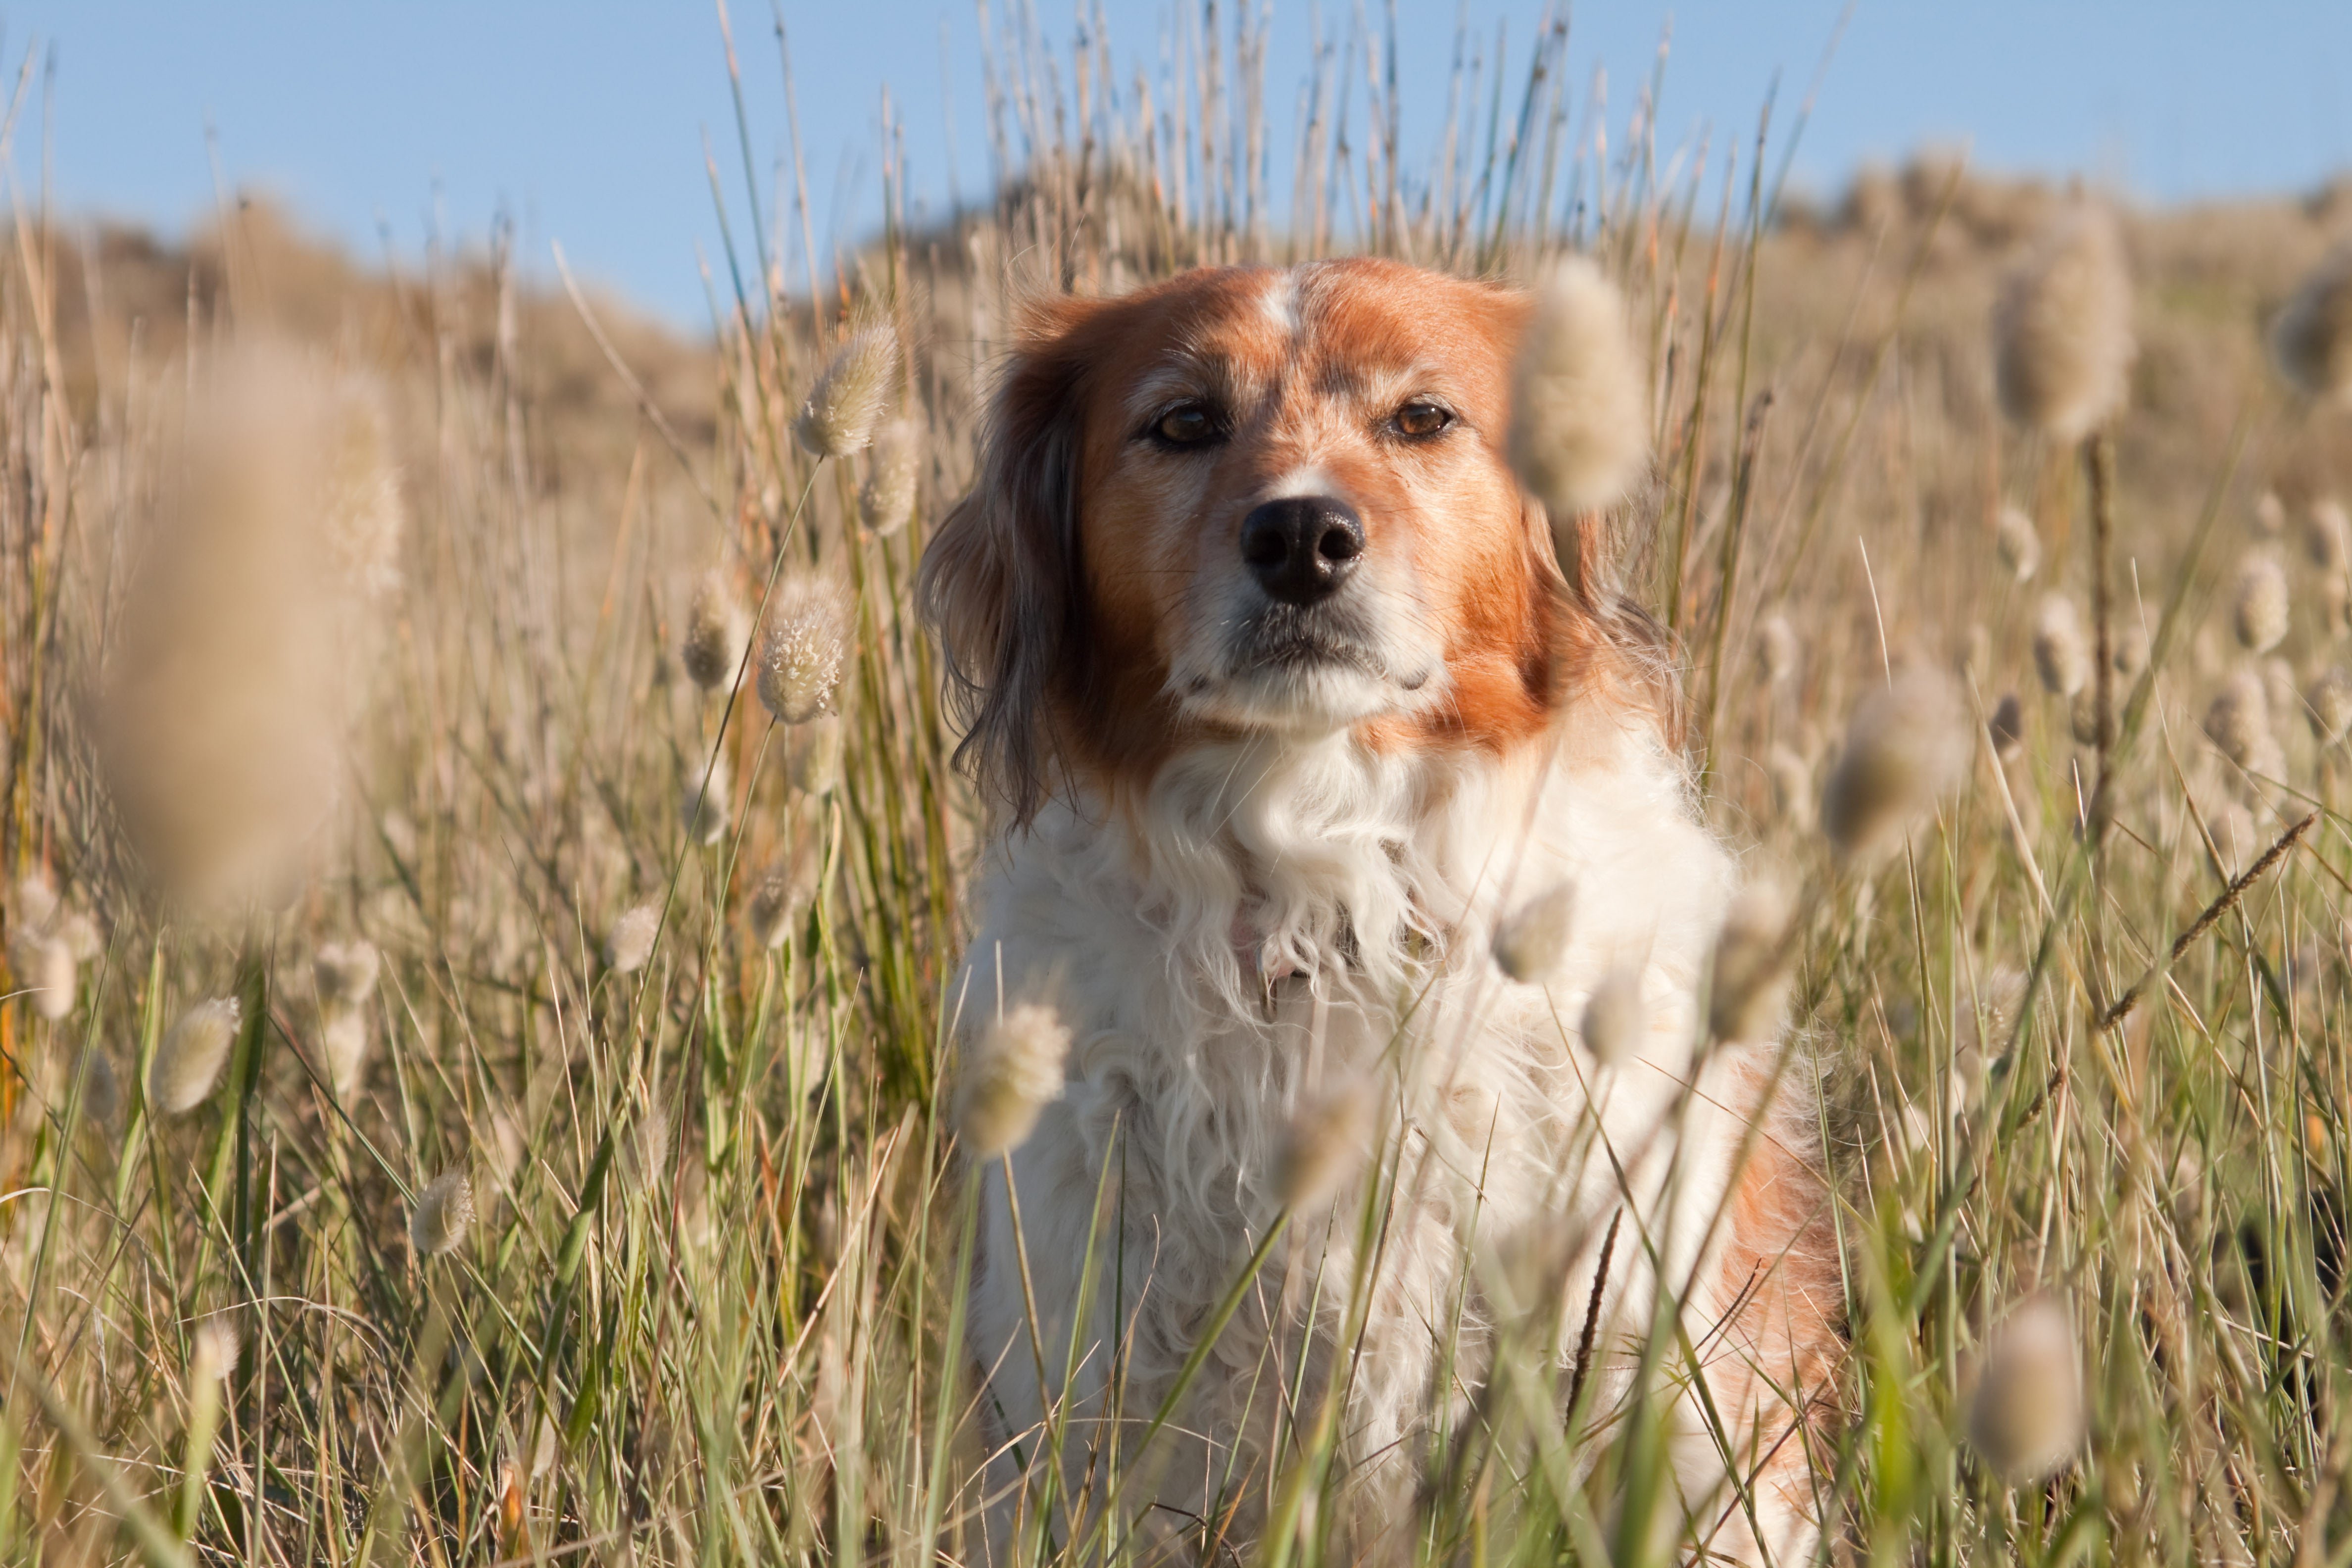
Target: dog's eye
(1186, 424)
(1420, 420)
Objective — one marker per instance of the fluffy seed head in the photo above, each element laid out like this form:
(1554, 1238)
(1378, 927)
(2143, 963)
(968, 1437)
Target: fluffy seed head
(1778, 650)
(2325, 531)
(886, 499)
(189, 1061)
(801, 648)
(2258, 611)
(1530, 941)
(850, 395)
(1904, 747)
(2127, 649)
(344, 1041)
(774, 906)
(2328, 705)
(703, 799)
(2269, 515)
(2063, 329)
(2083, 717)
(1751, 964)
(1580, 433)
(44, 968)
(213, 1351)
(34, 901)
(2008, 727)
(2312, 339)
(247, 639)
(631, 939)
(101, 1091)
(2017, 543)
(1328, 1143)
(1615, 1015)
(1015, 1069)
(816, 756)
(2027, 1412)
(715, 633)
(444, 1212)
(344, 972)
(2060, 655)
(2237, 720)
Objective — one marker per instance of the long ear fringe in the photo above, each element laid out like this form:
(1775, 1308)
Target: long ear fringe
(1000, 583)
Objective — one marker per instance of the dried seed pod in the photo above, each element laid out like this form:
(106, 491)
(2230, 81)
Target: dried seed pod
(2027, 1412)
(2238, 719)
(2259, 609)
(716, 631)
(2060, 655)
(2063, 329)
(886, 499)
(2017, 543)
(1579, 430)
(1905, 746)
(1530, 941)
(2328, 705)
(850, 394)
(803, 648)
(444, 1212)
(2312, 339)
(1616, 1016)
(189, 1061)
(631, 943)
(1015, 1069)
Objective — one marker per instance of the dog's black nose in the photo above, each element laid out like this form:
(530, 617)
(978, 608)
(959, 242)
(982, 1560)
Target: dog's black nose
(1302, 548)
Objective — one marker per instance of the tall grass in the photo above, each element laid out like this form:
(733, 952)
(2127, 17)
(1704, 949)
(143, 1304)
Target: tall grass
(2082, 1032)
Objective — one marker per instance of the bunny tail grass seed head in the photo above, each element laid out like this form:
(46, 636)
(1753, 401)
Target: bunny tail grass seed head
(444, 1212)
(803, 648)
(2327, 535)
(1014, 1072)
(2061, 657)
(2327, 703)
(1792, 783)
(703, 800)
(886, 501)
(2007, 727)
(1328, 1141)
(2026, 1414)
(2017, 543)
(2063, 329)
(2237, 720)
(2258, 610)
(1579, 430)
(850, 394)
(631, 943)
(816, 756)
(716, 631)
(246, 644)
(34, 901)
(189, 1061)
(1615, 1016)
(343, 1041)
(1751, 964)
(2312, 339)
(1530, 941)
(775, 906)
(1905, 748)
(44, 964)
(345, 972)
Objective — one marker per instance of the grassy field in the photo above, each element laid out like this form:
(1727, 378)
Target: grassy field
(341, 607)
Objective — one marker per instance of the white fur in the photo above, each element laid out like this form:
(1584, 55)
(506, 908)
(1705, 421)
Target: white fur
(1373, 883)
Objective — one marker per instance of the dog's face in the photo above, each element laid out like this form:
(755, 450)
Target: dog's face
(1252, 500)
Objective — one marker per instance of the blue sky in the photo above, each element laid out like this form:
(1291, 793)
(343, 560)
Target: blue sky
(586, 119)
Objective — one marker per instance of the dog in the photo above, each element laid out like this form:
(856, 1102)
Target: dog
(1288, 697)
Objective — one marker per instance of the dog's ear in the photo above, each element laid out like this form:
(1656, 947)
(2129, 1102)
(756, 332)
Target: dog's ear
(1002, 582)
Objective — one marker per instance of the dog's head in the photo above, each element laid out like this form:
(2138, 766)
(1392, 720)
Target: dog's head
(1257, 501)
